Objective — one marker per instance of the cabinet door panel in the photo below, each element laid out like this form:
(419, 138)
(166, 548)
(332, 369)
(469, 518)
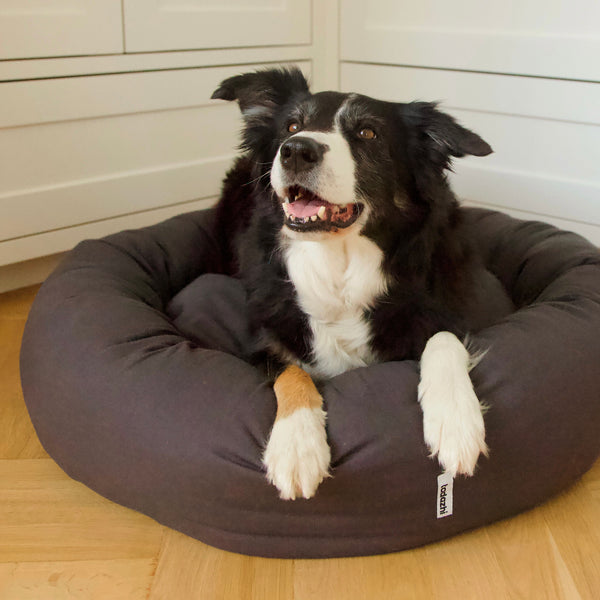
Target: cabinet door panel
(152, 25)
(550, 39)
(546, 147)
(147, 141)
(42, 28)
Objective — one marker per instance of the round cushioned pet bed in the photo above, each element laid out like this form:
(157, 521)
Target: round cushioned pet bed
(133, 371)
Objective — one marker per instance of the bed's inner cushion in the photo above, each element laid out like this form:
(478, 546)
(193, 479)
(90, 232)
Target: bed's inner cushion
(211, 311)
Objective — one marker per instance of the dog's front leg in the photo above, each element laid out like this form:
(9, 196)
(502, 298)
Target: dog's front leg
(452, 416)
(297, 455)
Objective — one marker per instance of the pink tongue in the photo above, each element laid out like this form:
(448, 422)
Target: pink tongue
(305, 208)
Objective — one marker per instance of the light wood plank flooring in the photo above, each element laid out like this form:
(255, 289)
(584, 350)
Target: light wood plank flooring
(59, 540)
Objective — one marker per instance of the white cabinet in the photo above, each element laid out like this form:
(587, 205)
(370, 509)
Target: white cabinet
(175, 25)
(38, 28)
(49, 28)
(108, 131)
(525, 74)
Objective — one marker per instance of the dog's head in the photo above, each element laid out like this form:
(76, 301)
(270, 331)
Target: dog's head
(338, 161)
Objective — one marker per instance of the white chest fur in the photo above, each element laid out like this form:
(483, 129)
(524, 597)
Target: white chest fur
(336, 280)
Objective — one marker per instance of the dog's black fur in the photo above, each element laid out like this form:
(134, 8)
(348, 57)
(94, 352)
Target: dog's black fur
(437, 280)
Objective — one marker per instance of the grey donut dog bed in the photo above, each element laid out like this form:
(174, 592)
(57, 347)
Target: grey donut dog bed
(134, 375)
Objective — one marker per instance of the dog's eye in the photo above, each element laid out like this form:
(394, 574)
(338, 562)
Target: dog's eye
(294, 127)
(367, 134)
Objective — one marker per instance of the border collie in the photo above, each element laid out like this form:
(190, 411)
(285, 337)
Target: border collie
(340, 221)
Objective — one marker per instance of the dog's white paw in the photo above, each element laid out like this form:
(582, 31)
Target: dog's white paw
(455, 433)
(297, 456)
(453, 423)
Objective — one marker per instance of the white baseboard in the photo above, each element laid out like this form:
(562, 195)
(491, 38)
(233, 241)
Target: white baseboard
(29, 272)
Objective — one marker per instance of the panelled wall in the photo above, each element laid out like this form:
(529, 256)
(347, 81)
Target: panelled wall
(524, 74)
(106, 120)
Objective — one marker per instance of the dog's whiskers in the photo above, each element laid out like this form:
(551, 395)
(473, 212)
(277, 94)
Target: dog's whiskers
(268, 173)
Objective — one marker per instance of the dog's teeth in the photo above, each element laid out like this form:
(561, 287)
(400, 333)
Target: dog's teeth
(321, 213)
(313, 218)
(286, 201)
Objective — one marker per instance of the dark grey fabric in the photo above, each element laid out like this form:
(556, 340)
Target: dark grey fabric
(133, 371)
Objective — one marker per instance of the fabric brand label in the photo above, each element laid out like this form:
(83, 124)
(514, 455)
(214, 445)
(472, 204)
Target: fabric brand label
(445, 502)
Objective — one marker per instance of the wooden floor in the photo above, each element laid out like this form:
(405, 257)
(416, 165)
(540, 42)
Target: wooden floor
(59, 540)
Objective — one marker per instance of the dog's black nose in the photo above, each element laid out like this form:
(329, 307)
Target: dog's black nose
(301, 153)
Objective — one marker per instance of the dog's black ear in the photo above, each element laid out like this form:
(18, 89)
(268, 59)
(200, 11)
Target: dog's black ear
(442, 135)
(264, 90)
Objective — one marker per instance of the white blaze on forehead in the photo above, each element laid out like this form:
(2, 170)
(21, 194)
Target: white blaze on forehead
(344, 110)
(333, 179)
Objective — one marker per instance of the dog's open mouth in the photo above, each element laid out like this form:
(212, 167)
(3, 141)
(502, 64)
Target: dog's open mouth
(305, 211)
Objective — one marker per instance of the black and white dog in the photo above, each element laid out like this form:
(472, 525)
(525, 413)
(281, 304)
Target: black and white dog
(339, 219)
